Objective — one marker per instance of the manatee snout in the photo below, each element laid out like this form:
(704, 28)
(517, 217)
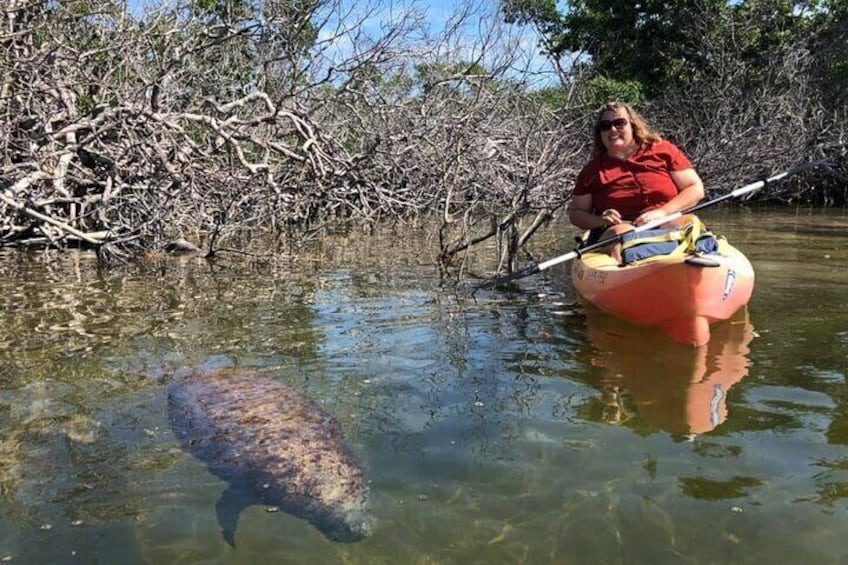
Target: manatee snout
(352, 527)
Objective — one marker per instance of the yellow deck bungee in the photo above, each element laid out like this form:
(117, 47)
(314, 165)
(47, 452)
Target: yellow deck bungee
(659, 245)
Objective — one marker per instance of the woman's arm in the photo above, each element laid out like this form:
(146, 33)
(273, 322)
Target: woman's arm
(580, 214)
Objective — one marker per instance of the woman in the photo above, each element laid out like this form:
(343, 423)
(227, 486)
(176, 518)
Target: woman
(634, 177)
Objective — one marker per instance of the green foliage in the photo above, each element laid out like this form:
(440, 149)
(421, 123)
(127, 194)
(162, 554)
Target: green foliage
(641, 42)
(768, 29)
(82, 9)
(531, 11)
(225, 11)
(542, 14)
(829, 30)
(660, 48)
(600, 90)
(85, 104)
(553, 98)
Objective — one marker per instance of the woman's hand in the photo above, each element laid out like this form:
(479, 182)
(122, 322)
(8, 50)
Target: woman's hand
(611, 217)
(649, 216)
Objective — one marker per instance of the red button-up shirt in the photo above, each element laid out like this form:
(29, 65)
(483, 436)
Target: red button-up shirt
(642, 182)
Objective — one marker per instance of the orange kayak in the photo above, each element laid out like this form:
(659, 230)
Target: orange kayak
(682, 294)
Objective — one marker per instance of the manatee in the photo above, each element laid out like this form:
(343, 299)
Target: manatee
(273, 447)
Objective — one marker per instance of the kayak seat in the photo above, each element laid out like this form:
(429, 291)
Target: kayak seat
(651, 245)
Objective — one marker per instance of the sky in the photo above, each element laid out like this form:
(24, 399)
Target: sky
(438, 23)
(480, 18)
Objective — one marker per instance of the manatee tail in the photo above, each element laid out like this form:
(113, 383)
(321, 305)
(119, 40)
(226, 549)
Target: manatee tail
(228, 509)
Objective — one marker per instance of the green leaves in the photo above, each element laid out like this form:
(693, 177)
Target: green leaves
(601, 90)
(647, 48)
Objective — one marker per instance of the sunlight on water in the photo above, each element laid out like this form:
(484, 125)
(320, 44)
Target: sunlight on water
(512, 426)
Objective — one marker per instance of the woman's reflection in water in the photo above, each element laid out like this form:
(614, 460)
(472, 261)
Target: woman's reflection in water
(649, 380)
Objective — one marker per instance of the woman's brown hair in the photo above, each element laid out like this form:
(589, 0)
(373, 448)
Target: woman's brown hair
(642, 132)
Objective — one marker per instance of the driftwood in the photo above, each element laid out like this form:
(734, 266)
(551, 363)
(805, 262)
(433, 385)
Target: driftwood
(126, 133)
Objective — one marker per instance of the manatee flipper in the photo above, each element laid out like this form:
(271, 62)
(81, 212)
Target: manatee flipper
(228, 508)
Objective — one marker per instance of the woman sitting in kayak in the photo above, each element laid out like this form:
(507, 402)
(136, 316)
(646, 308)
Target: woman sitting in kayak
(634, 177)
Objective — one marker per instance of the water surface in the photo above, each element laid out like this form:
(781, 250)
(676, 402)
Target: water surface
(508, 427)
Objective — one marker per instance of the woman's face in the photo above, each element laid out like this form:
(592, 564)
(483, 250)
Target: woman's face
(616, 131)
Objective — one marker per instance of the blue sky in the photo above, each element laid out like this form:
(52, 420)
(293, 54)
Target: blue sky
(438, 21)
(481, 19)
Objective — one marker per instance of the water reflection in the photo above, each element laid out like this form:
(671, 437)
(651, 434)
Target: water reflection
(649, 380)
(485, 424)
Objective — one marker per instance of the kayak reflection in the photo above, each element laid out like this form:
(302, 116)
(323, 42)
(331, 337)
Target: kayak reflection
(649, 380)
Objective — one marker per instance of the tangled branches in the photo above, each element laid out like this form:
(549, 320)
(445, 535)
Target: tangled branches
(124, 132)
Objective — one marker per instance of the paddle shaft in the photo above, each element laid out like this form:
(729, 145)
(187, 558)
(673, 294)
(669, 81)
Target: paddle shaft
(747, 189)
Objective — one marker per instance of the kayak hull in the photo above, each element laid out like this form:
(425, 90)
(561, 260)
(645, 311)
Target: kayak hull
(681, 294)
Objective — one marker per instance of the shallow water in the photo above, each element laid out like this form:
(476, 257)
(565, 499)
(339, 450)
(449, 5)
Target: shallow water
(508, 427)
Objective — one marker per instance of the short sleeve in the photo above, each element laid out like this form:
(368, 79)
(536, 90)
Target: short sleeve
(677, 160)
(586, 179)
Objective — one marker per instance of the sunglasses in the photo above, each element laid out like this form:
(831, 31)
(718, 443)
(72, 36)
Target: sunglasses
(618, 123)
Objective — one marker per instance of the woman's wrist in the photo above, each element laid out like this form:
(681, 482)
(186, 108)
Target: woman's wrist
(607, 218)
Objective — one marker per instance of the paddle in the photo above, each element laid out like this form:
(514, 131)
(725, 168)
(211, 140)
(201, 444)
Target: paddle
(748, 189)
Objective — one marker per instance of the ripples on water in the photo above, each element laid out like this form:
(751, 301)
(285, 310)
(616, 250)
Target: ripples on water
(512, 426)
